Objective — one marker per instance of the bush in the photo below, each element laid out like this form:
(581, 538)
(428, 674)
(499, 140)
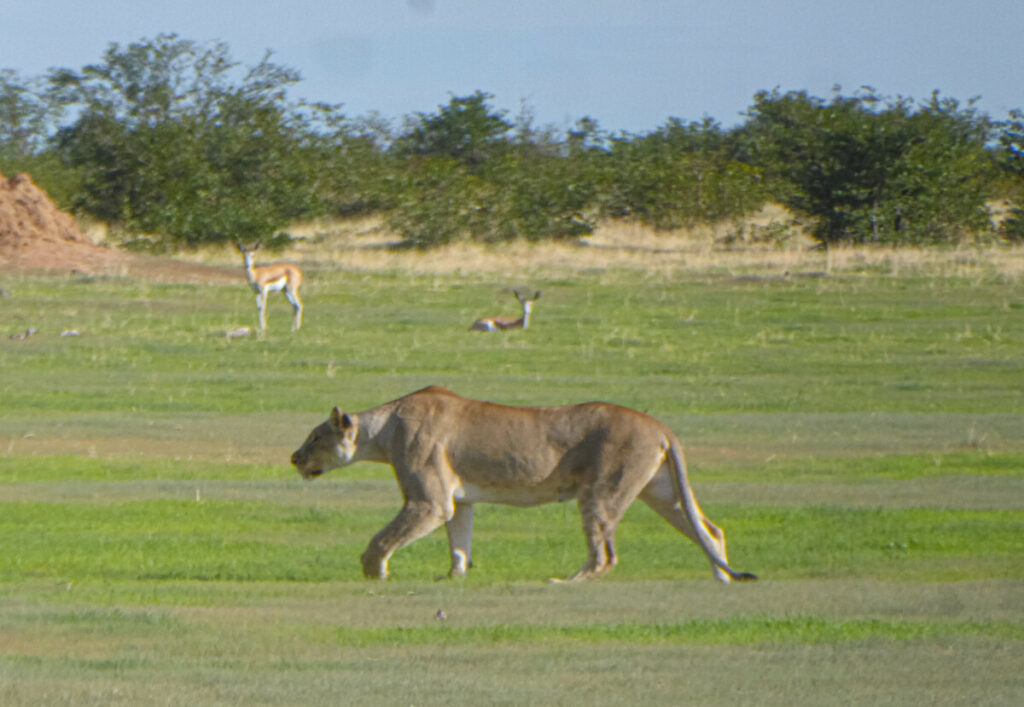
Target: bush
(1012, 229)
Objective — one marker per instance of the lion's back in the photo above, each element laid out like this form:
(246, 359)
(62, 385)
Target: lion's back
(437, 413)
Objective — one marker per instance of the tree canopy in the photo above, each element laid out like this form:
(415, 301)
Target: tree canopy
(175, 143)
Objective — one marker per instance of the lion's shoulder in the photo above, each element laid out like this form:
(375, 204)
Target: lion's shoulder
(434, 390)
(434, 403)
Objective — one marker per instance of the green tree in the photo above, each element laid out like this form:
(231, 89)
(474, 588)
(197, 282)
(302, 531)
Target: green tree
(436, 202)
(356, 172)
(1011, 142)
(872, 170)
(1011, 162)
(467, 172)
(466, 130)
(28, 119)
(176, 139)
(937, 192)
(543, 183)
(26, 116)
(679, 175)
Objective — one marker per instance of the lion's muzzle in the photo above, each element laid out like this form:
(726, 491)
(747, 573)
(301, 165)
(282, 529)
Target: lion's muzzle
(300, 461)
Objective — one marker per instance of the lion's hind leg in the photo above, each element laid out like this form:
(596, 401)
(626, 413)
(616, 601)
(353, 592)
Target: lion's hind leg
(460, 539)
(602, 506)
(660, 495)
(601, 556)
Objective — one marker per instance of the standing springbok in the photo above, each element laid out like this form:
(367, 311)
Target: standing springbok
(264, 279)
(502, 323)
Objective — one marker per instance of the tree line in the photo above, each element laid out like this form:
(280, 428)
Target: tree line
(178, 141)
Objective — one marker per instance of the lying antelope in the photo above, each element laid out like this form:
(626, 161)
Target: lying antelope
(265, 279)
(501, 323)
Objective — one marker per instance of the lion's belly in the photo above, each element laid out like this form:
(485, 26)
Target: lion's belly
(522, 496)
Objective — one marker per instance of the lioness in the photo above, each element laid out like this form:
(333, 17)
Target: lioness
(450, 452)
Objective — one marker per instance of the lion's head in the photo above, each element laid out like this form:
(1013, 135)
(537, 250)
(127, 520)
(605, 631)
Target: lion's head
(330, 445)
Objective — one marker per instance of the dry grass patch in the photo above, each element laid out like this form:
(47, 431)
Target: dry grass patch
(770, 242)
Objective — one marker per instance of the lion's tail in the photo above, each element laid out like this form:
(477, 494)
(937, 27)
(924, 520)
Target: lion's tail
(684, 494)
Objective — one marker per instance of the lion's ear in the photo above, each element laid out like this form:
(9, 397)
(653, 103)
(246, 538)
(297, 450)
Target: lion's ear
(341, 421)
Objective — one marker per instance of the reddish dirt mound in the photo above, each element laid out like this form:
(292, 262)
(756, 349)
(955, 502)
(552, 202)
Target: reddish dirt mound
(36, 235)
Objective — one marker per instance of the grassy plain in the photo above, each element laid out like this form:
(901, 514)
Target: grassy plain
(855, 425)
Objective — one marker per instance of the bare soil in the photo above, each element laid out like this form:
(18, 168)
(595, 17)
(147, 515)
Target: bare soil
(37, 236)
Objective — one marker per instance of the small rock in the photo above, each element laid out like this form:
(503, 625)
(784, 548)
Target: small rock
(237, 333)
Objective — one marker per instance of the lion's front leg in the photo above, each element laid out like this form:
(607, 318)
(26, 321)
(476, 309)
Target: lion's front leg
(415, 520)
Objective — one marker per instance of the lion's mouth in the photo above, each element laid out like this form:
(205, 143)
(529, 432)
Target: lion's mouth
(310, 474)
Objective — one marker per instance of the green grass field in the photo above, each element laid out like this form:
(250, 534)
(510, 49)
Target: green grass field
(860, 438)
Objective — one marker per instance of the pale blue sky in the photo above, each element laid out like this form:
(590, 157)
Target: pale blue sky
(630, 65)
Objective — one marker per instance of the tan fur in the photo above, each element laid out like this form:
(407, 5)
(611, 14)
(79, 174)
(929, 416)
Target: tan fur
(264, 279)
(501, 323)
(450, 452)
